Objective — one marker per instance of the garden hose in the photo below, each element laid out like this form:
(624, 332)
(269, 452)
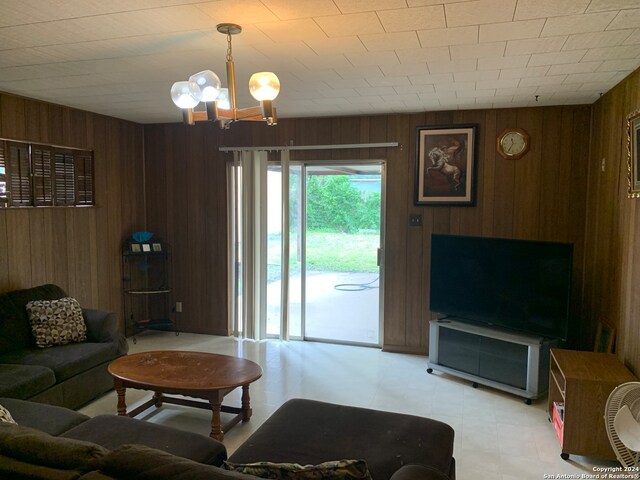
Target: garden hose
(356, 287)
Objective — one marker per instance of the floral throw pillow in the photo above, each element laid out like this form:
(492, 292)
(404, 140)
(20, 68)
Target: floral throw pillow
(335, 470)
(5, 416)
(56, 322)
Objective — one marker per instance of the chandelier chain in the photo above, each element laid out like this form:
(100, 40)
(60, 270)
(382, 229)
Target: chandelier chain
(229, 54)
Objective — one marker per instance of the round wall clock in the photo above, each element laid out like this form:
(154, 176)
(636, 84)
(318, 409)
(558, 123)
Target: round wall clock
(513, 143)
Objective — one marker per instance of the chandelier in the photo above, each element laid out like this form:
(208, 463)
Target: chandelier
(220, 103)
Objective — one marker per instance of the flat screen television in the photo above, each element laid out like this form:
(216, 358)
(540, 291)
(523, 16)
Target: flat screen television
(519, 285)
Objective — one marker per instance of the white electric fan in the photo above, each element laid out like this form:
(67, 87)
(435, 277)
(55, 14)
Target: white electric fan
(622, 417)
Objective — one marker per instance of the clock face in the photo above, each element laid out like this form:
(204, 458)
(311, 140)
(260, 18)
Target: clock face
(513, 143)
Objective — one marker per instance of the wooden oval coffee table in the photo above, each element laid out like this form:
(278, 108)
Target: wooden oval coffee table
(208, 376)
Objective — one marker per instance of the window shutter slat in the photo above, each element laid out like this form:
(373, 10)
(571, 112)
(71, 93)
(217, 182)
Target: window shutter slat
(64, 178)
(84, 178)
(3, 176)
(19, 175)
(41, 160)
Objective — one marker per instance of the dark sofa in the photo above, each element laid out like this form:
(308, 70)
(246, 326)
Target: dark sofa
(66, 375)
(394, 446)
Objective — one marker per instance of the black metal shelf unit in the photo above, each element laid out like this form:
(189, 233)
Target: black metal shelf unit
(146, 283)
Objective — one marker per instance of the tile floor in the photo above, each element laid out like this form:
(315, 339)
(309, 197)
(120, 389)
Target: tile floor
(497, 435)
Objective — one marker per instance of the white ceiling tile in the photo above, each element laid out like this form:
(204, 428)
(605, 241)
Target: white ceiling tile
(494, 32)
(411, 19)
(611, 53)
(528, 9)
(407, 69)
(477, 75)
(582, 67)
(415, 55)
(633, 39)
(292, 30)
(349, 25)
(389, 81)
(603, 5)
(452, 66)
(550, 89)
(479, 12)
(571, 24)
(519, 61)
(480, 50)
(373, 58)
(279, 50)
(618, 65)
(336, 45)
(477, 93)
(416, 89)
(596, 39)
(589, 77)
(537, 45)
(433, 78)
(390, 41)
(360, 72)
(454, 87)
(438, 95)
(524, 72)
(502, 83)
(595, 86)
(537, 81)
(287, 10)
(241, 12)
(323, 62)
(375, 91)
(352, 6)
(442, 37)
(365, 99)
(556, 58)
(333, 93)
(344, 84)
(625, 19)
(404, 97)
(517, 91)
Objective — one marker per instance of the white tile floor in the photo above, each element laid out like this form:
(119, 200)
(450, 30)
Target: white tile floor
(497, 435)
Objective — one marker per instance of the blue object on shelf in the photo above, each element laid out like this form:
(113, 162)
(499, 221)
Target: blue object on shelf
(141, 237)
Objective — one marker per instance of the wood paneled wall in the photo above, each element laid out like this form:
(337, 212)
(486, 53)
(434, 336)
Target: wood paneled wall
(77, 248)
(612, 269)
(542, 196)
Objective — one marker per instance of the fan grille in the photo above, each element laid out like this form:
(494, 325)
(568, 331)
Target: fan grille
(626, 394)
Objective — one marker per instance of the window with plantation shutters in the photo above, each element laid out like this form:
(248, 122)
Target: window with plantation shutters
(44, 175)
(19, 171)
(41, 159)
(65, 185)
(84, 178)
(3, 177)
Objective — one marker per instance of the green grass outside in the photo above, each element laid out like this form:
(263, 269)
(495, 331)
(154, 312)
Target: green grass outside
(328, 251)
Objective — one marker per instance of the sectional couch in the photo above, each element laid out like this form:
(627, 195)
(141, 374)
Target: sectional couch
(65, 375)
(54, 443)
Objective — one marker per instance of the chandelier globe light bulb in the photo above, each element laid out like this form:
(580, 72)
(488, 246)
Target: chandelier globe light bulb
(186, 94)
(264, 86)
(209, 84)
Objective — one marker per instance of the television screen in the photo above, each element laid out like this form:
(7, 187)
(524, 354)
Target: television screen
(516, 284)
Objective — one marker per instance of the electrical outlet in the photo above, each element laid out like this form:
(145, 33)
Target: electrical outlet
(178, 307)
(415, 220)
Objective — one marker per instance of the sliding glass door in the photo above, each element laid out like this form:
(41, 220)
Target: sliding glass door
(332, 277)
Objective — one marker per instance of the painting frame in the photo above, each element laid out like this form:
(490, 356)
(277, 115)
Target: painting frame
(446, 163)
(605, 337)
(633, 152)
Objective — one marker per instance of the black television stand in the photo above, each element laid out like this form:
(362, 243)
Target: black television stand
(512, 362)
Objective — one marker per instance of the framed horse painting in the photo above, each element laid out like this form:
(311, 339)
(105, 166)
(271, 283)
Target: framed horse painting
(446, 164)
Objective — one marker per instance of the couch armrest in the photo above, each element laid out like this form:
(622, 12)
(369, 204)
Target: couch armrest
(103, 327)
(418, 472)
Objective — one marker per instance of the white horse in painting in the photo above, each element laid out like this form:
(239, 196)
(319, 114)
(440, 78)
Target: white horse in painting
(440, 162)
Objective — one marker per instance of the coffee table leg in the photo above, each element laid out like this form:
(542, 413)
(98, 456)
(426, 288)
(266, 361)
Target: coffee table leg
(122, 404)
(246, 404)
(216, 429)
(157, 397)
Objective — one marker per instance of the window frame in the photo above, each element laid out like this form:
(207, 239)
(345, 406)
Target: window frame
(54, 176)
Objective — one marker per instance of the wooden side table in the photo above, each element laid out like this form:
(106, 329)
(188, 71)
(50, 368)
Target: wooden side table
(579, 386)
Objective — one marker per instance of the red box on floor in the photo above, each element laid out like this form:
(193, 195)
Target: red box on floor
(557, 421)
